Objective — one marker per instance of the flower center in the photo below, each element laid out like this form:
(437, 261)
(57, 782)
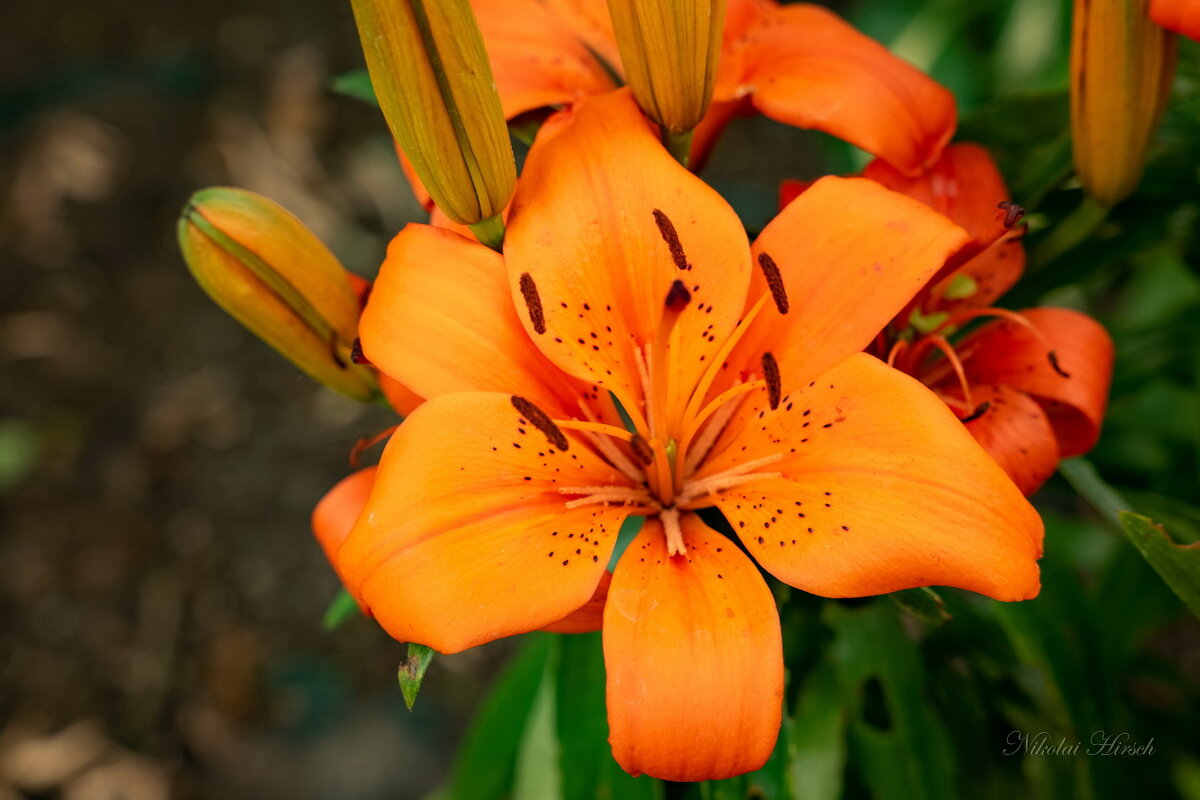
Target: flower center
(674, 426)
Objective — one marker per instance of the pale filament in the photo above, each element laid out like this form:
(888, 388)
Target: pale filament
(610, 495)
(734, 476)
(708, 436)
(670, 523)
(614, 454)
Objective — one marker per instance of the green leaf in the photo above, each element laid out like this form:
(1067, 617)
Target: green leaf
(357, 84)
(412, 671)
(923, 603)
(818, 734)
(1091, 487)
(1178, 565)
(897, 742)
(341, 608)
(588, 769)
(486, 765)
(538, 776)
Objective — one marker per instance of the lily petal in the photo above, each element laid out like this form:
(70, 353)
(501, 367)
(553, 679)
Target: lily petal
(850, 254)
(1075, 395)
(879, 488)
(588, 617)
(807, 67)
(335, 514)
(1181, 16)
(466, 538)
(402, 399)
(1015, 431)
(603, 223)
(440, 319)
(966, 186)
(694, 658)
(590, 22)
(537, 60)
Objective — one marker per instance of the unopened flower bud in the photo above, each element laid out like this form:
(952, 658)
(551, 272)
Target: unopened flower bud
(434, 85)
(669, 49)
(1121, 70)
(273, 275)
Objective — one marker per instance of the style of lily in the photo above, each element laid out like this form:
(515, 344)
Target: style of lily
(799, 64)
(625, 279)
(1031, 385)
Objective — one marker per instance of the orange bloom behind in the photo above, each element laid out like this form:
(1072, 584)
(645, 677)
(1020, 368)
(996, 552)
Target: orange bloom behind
(1181, 16)
(799, 64)
(496, 505)
(1031, 386)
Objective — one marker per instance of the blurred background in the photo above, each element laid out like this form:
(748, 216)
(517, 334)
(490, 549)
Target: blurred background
(162, 594)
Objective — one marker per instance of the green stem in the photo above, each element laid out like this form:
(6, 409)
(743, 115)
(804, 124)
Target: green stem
(679, 145)
(490, 231)
(1073, 229)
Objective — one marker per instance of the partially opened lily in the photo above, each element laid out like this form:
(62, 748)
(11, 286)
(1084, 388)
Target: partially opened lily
(799, 64)
(1031, 386)
(496, 505)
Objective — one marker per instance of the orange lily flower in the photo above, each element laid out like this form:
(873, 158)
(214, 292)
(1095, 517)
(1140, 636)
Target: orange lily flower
(1031, 386)
(799, 64)
(496, 505)
(1181, 16)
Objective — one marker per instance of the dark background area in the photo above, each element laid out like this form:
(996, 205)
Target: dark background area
(162, 594)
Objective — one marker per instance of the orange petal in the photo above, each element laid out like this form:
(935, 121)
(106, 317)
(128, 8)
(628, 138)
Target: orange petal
(536, 58)
(334, 515)
(589, 235)
(402, 399)
(440, 319)
(1015, 431)
(880, 488)
(790, 189)
(851, 254)
(466, 538)
(588, 617)
(1007, 354)
(966, 186)
(591, 24)
(1181, 16)
(807, 67)
(694, 658)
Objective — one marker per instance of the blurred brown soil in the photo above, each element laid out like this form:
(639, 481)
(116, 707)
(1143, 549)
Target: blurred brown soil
(161, 593)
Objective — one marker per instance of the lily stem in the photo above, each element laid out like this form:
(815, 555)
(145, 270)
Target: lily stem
(679, 145)
(1073, 229)
(490, 232)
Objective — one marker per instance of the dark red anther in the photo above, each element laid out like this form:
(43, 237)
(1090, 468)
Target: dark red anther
(1052, 357)
(979, 411)
(666, 229)
(356, 353)
(540, 420)
(771, 375)
(533, 302)
(1012, 212)
(641, 449)
(678, 297)
(771, 272)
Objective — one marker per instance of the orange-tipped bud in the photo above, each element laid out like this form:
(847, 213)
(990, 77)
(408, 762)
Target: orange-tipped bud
(273, 275)
(434, 84)
(669, 49)
(1121, 70)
